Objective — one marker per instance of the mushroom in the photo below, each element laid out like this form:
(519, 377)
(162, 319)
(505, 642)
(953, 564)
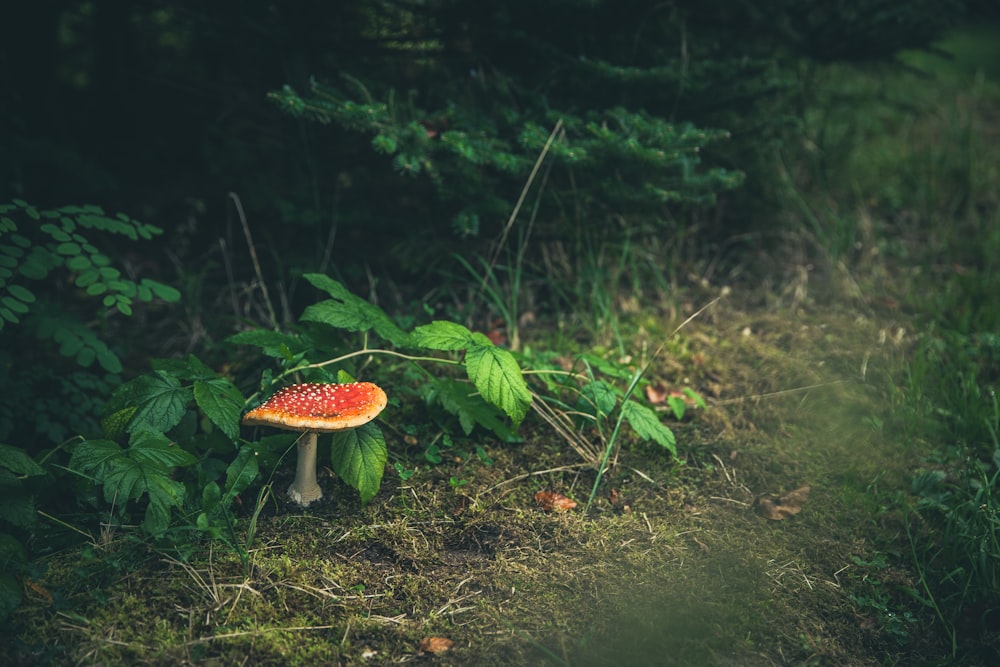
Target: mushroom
(316, 408)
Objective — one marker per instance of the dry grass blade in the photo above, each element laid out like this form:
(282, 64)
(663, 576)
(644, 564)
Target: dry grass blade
(562, 424)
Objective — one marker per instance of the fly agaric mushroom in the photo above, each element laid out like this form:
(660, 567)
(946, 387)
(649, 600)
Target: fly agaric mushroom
(316, 408)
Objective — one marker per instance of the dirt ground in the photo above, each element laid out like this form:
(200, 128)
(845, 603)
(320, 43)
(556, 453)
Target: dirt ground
(676, 563)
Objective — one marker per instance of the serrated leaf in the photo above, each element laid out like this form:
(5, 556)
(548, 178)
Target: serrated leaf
(677, 406)
(347, 311)
(128, 474)
(598, 399)
(241, 473)
(154, 447)
(158, 398)
(19, 510)
(187, 368)
(164, 494)
(460, 400)
(222, 403)
(647, 425)
(19, 462)
(113, 425)
(441, 335)
(272, 343)
(359, 457)
(498, 378)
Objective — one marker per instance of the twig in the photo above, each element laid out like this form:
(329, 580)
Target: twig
(253, 257)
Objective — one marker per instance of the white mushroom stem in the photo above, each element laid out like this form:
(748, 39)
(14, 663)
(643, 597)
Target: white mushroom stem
(305, 489)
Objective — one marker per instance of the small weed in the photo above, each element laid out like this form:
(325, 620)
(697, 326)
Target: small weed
(878, 599)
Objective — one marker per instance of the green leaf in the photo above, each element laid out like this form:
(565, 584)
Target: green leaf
(14, 305)
(647, 425)
(597, 399)
(165, 292)
(114, 424)
(442, 335)
(143, 468)
(347, 311)
(459, 399)
(153, 448)
(698, 399)
(18, 509)
(187, 368)
(164, 494)
(498, 378)
(10, 594)
(271, 343)
(222, 403)
(21, 293)
(210, 497)
(241, 473)
(677, 406)
(80, 263)
(158, 398)
(359, 457)
(18, 462)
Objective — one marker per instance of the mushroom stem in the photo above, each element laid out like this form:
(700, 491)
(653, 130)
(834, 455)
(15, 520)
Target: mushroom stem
(304, 488)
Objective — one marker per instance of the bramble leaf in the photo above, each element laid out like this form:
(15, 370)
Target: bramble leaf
(647, 424)
(187, 368)
(442, 335)
(498, 378)
(17, 461)
(272, 343)
(241, 473)
(159, 399)
(222, 403)
(459, 399)
(359, 457)
(347, 311)
(143, 468)
(597, 399)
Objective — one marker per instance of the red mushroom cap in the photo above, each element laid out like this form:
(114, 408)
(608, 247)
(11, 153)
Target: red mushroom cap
(319, 407)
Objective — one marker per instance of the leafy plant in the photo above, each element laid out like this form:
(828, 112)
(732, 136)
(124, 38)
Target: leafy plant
(876, 596)
(34, 243)
(492, 395)
(17, 518)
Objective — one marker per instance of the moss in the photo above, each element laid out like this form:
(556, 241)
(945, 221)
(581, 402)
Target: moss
(679, 571)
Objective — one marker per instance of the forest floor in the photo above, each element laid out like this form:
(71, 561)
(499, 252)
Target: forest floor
(676, 562)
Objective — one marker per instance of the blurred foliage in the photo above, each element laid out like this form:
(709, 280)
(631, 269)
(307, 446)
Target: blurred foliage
(437, 108)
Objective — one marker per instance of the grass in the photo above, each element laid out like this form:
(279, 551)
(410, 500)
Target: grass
(509, 583)
(867, 371)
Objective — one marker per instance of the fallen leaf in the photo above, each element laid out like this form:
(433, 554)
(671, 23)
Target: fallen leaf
(497, 337)
(656, 393)
(550, 500)
(39, 589)
(790, 504)
(618, 502)
(435, 644)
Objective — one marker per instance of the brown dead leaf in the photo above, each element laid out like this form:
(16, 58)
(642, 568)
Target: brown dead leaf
(778, 509)
(656, 392)
(435, 644)
(550, 500)
(39, 589)
(618, 501)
